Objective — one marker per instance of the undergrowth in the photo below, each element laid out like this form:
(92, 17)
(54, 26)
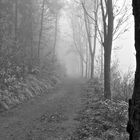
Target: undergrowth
(19, 91)
(100, 119)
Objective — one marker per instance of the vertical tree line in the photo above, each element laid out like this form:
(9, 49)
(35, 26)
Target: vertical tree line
(105, 21)
(27, 31)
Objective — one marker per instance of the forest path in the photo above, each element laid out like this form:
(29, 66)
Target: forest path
(48, 117)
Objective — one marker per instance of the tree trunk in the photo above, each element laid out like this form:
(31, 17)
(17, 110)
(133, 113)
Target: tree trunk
(108, 39)
(133, 126)
(87, 60)
(95, 35)
(31, 40)
(86, 20)
(41, 28)
(101, 74)
(86, 70)
(107, 61)
(55, 35)
(82, 67)
(16, 24)
(16, 16)
(92, 67)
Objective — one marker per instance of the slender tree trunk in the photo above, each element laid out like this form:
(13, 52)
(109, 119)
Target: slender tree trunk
(101, 74)
(92, 67)
(86, 71)
(95, 35)
(41, 29)
(133, 126)
(31, 40)
(31, 52)
(16, 23)
(93, 53)
(90, 45)
(82, 67)
(89, 67)
(94, 49)
(55, 35)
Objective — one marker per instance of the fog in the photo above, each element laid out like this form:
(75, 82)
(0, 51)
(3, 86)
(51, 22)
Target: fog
(125, 52)
(67, 69)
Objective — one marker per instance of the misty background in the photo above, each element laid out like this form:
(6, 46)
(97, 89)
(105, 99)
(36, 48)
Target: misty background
(125, 52)
(66, 69)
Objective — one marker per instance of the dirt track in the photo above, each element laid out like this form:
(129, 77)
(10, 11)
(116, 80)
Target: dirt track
(48, 117)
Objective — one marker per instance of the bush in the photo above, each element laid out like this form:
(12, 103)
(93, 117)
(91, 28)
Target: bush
(121, 84)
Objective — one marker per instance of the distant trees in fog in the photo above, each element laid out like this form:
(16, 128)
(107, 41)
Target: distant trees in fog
(27, 36)
(97, 24)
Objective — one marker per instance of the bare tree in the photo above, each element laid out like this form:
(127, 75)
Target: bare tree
(79, 41)
(107, 43)
(92, 47)
(111, 32)
(55, 6)
(113, 26)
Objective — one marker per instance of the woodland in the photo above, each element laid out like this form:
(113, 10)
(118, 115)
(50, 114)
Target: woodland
(38, 98)
(27, 69)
